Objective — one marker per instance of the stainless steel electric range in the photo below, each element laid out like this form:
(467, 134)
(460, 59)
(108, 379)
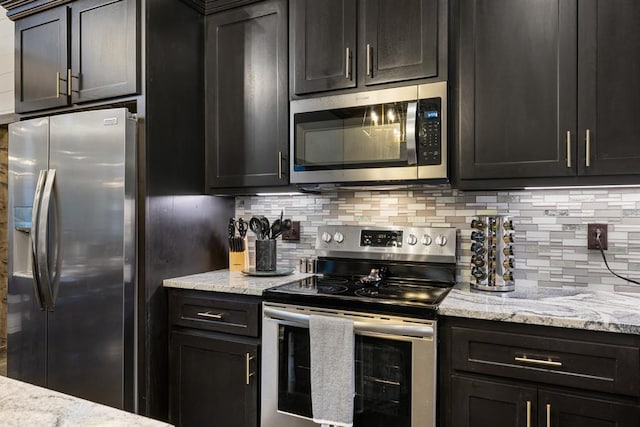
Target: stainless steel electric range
(389, 281)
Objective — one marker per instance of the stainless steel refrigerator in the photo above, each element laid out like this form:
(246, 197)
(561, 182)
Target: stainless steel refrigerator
(71, 298)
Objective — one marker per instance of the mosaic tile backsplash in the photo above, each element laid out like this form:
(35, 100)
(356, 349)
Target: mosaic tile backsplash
(550, 238)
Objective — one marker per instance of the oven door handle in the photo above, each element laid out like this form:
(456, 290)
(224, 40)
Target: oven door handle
(419, 331)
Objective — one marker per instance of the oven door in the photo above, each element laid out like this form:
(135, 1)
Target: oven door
(394, 369)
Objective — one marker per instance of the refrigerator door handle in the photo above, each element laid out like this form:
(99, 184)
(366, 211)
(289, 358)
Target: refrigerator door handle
(43, 241)
(33, 237)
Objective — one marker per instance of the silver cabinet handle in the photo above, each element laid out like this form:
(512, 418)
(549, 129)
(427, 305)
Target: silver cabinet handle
(528, 413)
(33, 237)
(58, 84)
(410, 133)
(249, 374)
(279, 164)
(210, 315)
(347, 67)
(587, 140)
(568, 149)
(369, 71)
(544, 362)
(548, 415)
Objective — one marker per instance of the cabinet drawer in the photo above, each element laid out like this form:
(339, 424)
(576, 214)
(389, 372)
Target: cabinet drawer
(591, 365)
(233, 314)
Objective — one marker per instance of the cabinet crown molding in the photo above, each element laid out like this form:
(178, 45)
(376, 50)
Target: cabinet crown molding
(17, 9)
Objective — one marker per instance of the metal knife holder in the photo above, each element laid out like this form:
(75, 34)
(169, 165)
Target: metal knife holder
(492, 259)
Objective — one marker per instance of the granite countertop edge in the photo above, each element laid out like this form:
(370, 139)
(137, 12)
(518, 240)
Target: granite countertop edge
(26, 404)
(232, 282)
(576, 308)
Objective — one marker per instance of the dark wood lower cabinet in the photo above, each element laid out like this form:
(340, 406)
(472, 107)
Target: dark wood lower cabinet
(500, 374)
(214, 379)
(566, 410)
(482, 403)
(214, 359)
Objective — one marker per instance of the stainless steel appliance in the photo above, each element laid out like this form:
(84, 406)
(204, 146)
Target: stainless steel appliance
(381, 136)
(389, 280)
(72, 254)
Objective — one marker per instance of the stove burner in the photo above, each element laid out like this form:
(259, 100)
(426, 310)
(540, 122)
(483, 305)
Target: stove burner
(400, 292)
(324, 288)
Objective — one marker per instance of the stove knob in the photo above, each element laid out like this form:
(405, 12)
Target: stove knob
(426, 240)
(326, 237)
(338, 237)
(412, 239)
(441, 240)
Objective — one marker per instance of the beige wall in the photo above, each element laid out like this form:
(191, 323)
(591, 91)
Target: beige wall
(6, 64)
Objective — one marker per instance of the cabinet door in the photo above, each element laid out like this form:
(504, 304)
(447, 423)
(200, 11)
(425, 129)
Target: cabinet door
(560, 409)
(41, 63)
(517, 88)
(480, 403)
(609, 87)
(399, 42)
(214, 380)
(323, 38)
(104, 53)
(246, 96)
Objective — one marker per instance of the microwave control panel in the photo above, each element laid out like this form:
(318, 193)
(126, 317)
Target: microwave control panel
(429, 132)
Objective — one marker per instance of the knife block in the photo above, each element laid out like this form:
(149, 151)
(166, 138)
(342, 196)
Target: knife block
(239, 260)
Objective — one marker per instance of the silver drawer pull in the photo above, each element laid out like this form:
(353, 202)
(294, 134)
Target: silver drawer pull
(547, 362)
(210, 315)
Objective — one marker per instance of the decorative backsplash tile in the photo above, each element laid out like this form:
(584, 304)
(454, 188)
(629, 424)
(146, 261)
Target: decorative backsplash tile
(551, 227)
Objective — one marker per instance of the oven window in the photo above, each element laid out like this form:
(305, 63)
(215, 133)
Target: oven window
(350, 138)
(383, 378)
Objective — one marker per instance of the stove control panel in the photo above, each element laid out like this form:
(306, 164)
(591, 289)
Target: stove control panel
(392, 243)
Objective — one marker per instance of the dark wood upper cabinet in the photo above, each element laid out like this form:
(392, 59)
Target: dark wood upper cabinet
(609, 87)
(547, 90)
(41, 60)
(104, 49)
(399, 42)
(91, 42)
(323, 45)
(395, 43)
(517, 88)
(246, 96)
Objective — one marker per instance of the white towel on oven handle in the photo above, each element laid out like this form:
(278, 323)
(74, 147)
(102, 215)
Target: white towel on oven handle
(332, 348)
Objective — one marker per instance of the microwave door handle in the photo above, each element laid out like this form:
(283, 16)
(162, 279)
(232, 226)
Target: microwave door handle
(302, 320)
(410, 133)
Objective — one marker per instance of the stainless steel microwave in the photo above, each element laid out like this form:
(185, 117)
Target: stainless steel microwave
(382, 136)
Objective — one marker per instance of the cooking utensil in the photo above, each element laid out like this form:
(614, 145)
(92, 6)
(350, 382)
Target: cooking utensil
(276, 229)
(264, 222)
(231, 229)
(242, 227)
(256, 226)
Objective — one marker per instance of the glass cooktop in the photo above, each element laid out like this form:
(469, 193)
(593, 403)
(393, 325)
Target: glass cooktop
(395, 296)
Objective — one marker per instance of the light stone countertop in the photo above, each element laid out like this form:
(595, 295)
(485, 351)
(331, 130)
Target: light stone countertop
(559, 307)
(565, 308)
(23, 404)
(233, 282)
